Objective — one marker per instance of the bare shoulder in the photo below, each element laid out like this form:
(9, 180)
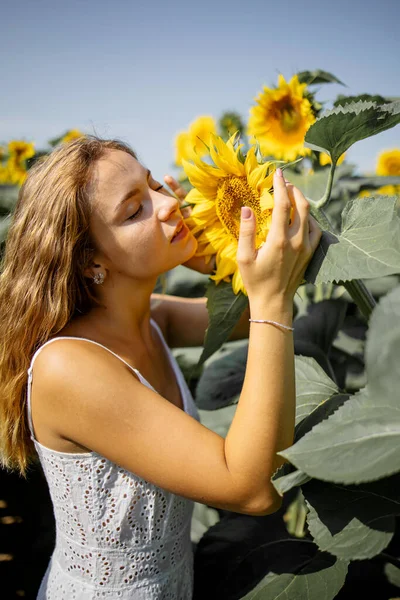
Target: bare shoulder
(84, 394)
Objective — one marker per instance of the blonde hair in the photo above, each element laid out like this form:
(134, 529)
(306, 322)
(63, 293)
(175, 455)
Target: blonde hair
(42, 284)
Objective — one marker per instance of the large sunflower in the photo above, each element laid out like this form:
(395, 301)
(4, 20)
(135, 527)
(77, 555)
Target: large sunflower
(220, 190)
(281, 118)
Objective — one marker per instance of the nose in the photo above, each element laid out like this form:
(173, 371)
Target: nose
(167, 206)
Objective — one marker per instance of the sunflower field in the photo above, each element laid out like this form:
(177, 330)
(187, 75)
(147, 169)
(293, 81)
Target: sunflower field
(337, 534)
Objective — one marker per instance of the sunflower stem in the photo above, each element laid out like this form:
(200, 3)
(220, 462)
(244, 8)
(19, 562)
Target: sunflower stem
(321, 217)
(325, 198)
(361, 296)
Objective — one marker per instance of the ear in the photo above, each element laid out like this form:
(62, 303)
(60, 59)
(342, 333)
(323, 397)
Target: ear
(92, 269)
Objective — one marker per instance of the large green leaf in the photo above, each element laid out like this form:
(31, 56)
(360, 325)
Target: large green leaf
(368, 245)
(339, 128)
(313, 387)
(342, 100)
(317, 577)
(225, 309)
(354, 522)
(321, 412)
(317, 76)
(221, 381)
(360, 441)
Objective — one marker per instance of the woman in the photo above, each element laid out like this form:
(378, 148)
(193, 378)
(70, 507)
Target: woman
(104, 404)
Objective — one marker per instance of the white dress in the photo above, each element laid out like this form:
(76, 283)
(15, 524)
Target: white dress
(117, 536)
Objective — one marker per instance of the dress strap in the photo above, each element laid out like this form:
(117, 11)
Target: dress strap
(30, 372)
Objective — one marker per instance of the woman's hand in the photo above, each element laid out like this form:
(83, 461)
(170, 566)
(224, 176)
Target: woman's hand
(274, 271)
(196, 263)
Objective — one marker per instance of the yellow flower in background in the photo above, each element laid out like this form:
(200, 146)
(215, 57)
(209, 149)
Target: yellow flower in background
(196, 139)
(325, 159)
(20, 151)
(13, 172)
(389, 163)
(72, 134)
(280, 120)
(219, 192)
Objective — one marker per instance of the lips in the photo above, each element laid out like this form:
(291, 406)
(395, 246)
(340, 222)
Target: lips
(178, 229)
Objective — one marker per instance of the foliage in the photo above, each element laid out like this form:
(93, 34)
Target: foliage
(343, 470)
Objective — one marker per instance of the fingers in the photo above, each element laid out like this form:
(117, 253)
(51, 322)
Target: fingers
(301, 209)
(315, 233)
(282, 207)
(175, 187)
(246, 251)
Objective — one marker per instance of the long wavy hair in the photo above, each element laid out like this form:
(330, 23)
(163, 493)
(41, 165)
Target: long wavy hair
(42, 283)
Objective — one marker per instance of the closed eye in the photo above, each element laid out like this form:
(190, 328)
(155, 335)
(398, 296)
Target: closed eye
(136, 214)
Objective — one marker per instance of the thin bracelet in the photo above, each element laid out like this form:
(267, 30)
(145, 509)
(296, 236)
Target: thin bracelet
(272, 323)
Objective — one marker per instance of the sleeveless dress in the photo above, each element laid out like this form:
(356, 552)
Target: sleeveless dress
(117, 535)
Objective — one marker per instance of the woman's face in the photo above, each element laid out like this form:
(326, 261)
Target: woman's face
(136, 224)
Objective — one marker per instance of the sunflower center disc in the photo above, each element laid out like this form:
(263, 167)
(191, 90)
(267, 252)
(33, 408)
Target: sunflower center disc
(233, 193)
(288, 115)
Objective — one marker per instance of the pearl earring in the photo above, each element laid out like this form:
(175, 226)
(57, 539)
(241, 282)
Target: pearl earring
(98, 278)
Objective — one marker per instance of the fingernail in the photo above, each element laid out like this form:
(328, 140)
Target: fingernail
(245, 212)
(279, 172)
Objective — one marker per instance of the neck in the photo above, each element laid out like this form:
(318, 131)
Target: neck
(124, 310)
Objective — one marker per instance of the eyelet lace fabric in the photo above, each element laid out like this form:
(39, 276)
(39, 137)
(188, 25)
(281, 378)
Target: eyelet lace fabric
(117, 535)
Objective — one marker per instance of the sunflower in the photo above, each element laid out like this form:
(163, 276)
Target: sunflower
(72, 134)
(219, 192)
(195, 139)
(281, 118)
(20, 151)
(388, 163)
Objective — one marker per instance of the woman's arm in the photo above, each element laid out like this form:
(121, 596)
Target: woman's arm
(84, 394)
(184, 321)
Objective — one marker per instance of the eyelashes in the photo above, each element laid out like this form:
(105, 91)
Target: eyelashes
(139, 210)
(136, 214)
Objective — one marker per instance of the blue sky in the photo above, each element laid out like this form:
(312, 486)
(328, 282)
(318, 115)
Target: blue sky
(141, 71)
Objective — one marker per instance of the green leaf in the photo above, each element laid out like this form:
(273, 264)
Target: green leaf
(221, 381)
(321, 412)
(317, 76)
(360, 441)
(339, 128)
(342, 100)
(286, 482)
(367, 247)
(313, 387)
(354, 522)
(393, 574)
(225, 309)
(319, 577)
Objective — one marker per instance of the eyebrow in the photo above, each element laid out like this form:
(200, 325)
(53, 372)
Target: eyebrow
(130, 194)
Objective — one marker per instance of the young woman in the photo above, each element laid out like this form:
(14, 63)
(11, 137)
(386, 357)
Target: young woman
(89, 383)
